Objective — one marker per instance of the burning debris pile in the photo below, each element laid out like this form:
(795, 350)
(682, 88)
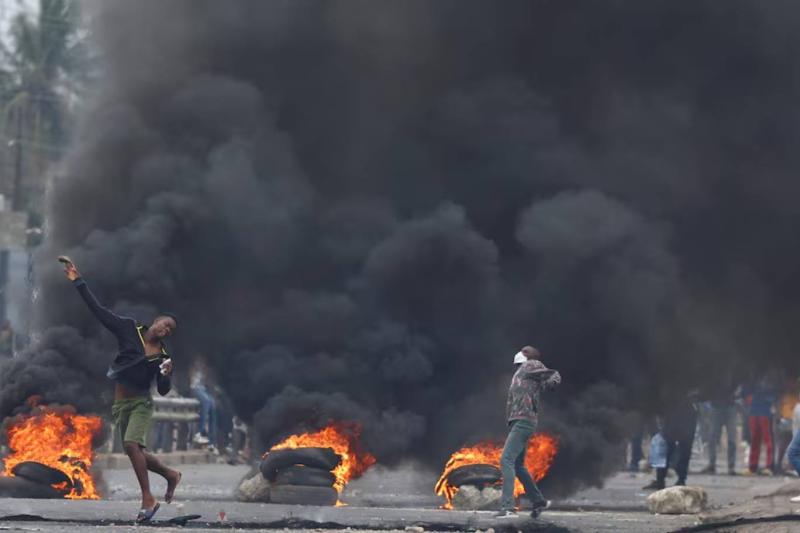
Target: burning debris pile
(314, 468)
(476, 469)
(51, 454)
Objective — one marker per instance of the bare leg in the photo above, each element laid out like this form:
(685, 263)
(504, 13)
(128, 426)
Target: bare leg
(173, 477)
(136, 455)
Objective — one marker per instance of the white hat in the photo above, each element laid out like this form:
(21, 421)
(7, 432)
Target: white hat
(520, 358)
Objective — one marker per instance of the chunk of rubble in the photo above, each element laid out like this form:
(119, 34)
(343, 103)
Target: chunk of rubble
(678, 500)
(253, 489)
(471, 498)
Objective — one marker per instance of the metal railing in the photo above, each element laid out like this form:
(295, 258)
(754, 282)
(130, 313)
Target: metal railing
(173, 420)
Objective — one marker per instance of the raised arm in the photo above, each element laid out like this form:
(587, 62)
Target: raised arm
(553, 381)
(113, 322)
(534, 369)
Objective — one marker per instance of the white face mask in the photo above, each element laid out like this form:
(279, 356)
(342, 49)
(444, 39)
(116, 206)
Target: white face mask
(519, 358)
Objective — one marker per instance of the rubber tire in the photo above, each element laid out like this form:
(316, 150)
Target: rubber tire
(300, 495)
(324, 458)
(305, 476)
(39, 473)
(17, 487)
(478, 475)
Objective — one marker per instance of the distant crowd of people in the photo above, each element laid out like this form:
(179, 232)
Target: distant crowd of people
(760, 415)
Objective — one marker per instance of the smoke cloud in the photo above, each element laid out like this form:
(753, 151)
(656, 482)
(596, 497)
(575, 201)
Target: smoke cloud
(362, 210)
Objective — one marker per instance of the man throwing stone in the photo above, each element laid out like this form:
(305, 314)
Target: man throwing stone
(142, 358)
(522, 411)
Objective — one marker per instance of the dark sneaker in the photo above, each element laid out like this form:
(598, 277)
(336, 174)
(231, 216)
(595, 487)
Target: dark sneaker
(710, 469)
(680, 483)
(538, 508)
(732, 472)
(506, 513)
(654, 485)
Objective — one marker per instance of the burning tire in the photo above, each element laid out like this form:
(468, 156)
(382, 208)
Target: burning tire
(322, 458)
(306, 476)
(303, 495)
(17, 487)
(39, 473)
(478, 475)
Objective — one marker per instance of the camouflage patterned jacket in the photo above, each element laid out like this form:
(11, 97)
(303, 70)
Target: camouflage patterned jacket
(523, 395)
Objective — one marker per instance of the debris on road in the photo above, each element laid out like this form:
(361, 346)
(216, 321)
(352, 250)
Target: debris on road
(253, 488)
(470, 497)
(678, 500)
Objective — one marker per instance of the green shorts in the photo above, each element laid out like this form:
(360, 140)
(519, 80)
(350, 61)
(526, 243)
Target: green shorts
(132, 417)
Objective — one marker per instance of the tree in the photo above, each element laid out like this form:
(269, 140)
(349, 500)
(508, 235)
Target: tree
(44, 64)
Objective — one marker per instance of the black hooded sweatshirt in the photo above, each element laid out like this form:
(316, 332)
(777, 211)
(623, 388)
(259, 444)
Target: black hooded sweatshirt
(130, 367)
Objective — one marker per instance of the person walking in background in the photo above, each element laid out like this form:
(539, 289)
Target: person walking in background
(762, 401)
(723, 415)
(784, 423)
(522, 414)
(207, 433)
(640, 426)
(238, 447)
(743, 403)
(680, 423)
(795, 425)
(793, 452)
(636, 450)
(704, 425)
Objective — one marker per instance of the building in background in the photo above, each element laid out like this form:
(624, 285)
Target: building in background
(13, 263)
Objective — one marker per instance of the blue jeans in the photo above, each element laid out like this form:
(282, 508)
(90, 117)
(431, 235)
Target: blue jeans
(512, 464)
(208, 414)
(793, 453)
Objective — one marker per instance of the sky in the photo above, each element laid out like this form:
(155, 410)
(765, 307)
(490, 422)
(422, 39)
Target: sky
(9, 9)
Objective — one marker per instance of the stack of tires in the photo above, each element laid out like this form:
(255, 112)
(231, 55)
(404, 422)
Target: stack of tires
(34, 480)
(301, 476)
(478, 487)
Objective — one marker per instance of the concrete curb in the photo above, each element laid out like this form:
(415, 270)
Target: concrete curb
(111, 461)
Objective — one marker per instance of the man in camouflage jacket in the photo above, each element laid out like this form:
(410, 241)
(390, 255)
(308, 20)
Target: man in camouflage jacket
(522, 413)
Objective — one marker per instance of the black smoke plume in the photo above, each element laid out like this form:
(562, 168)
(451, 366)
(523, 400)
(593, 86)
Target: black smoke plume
(362, 209)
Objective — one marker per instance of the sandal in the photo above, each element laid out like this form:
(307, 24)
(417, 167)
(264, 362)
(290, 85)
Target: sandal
(145, 515)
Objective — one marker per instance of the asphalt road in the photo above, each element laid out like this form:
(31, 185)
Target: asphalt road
(382, 500)
(117, 515)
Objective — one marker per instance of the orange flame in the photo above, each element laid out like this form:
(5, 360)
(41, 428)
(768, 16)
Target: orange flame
(60, 439)
(343, 438)
(542, 450)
